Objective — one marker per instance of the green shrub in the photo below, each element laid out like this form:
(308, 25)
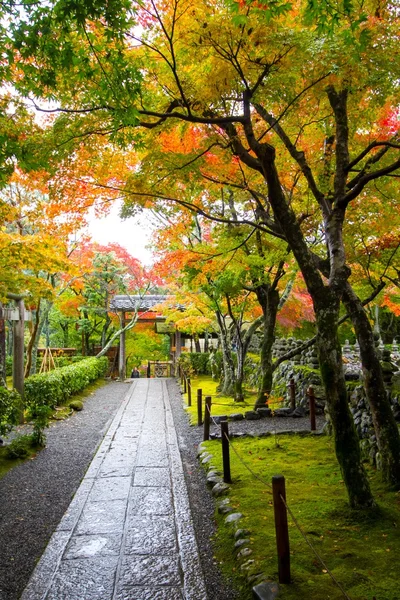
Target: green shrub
(200, 362)
(10, 403)
(64, 361)
(19, 448)
(9, 364)
(54, 388)
(196, 363)
(41, 421)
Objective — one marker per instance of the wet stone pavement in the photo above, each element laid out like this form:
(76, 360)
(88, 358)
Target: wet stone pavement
(128, 533)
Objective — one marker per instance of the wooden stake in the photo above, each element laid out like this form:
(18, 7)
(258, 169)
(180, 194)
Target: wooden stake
(292, 390)
(311, 398)
(199, 407)
(207, 417)
(281, 528)
(225, 451)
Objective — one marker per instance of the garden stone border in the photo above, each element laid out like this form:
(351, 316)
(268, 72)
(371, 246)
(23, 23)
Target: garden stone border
(262, 589)
(261, 434)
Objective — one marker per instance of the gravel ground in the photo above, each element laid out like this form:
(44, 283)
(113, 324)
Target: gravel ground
(35, 495)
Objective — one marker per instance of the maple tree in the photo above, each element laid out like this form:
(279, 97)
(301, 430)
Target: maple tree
(234, 275)
(31, 258)
(28, 250)
(281, 94)
(99, 273)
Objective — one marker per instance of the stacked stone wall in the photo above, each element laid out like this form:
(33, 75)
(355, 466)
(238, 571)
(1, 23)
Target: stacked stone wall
(303, 369)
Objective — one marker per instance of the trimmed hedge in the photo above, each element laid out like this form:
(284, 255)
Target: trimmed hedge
(55, 387)
(10, 405)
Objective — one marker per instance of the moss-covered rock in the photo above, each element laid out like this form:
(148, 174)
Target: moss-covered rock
(76, 405)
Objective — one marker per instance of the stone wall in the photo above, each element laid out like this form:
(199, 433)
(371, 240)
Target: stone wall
(304, 370)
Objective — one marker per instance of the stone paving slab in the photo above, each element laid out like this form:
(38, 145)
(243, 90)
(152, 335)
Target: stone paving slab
(128, 533)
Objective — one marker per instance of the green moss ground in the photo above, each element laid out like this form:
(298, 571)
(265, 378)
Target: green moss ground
(221, 405)
(361, 549)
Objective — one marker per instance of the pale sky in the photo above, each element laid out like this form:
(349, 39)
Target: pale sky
(133, 233)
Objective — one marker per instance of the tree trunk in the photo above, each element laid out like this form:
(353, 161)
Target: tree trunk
(104, 330)
(228, 376)
(326, 299)
(269, 301)
(65, 330)
(85, 335)
(206, 341)
(31, 343)
(347, 445)
(386, 430)
(3, 373)
(239, 375)
(377, 325)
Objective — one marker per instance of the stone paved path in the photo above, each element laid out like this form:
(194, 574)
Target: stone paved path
(128, 533)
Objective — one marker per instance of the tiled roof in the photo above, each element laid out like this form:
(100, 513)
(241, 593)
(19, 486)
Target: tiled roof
(140, 303)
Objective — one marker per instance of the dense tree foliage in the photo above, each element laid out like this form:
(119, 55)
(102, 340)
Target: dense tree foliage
(292, 104)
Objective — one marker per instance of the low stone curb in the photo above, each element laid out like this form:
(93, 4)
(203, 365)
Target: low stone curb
(262, 589)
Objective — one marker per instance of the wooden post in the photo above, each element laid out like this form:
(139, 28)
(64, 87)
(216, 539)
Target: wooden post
(18, 353)
(189, 391)
(292, 391)
(207, 417)
(311, 398)
(199, 407)
(225, 451)
(184, 383)
(122, 353)
(148, 373)
(3, 373)
(281, 528)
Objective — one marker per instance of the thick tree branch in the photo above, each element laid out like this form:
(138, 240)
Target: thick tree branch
(368, 149)
(338, 102)
(297, 155)
(312, 341)
(357, 189)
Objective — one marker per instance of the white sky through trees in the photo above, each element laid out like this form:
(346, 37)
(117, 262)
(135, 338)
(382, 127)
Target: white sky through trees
(134, 233)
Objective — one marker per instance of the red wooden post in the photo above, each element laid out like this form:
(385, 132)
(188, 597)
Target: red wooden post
(207, 417)
(281, 528)
(311, 398)
(292, 391)
(199, 407)
(225, 451)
